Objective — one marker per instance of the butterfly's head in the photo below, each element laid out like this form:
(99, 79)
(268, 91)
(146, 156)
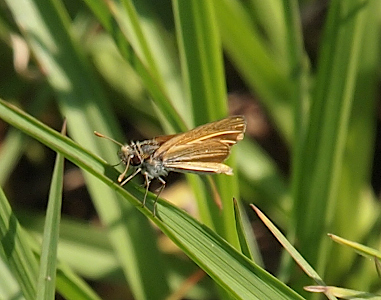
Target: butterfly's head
(129, 155)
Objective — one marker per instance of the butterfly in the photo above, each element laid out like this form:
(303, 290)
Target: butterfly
(201, 150)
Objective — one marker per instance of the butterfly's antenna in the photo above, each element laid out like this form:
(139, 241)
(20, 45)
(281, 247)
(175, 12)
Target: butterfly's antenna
(107, 138)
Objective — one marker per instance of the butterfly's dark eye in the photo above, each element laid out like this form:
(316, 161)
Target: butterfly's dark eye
(135, 160)
(123, 157)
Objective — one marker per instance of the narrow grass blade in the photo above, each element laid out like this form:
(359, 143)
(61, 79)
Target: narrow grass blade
(46, 284)
(83, 247)
(361, 249)
(343, 293)
(72, 287)
(203, 75)
(201, 59)
(247, 241)
(299, 259)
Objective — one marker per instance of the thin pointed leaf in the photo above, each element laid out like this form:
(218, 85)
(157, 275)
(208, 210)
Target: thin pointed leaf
(299, 259)
(46, 284)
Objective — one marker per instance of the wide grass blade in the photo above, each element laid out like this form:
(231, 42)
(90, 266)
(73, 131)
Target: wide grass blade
(230, 269)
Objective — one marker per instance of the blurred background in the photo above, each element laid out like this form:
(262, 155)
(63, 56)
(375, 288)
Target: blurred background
(305, 74)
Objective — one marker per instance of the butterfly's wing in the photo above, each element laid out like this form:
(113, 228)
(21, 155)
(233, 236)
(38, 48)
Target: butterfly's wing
(204, 148)
(148, 147)
(161, 139)
(228, 131)
(201, 157)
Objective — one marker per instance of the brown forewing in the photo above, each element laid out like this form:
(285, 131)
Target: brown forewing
(202, 157)
(203, 149)
(207, 151)
(227, 131)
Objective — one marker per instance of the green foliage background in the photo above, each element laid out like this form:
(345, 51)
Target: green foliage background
(162, 63)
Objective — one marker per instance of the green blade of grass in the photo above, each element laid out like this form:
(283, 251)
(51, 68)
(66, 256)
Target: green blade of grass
(16, 247)
(262, 72)
(113, 17)
(19, 249)
(299, 259)
(71, 286)
(68, 283)
(248, 244)
(87, 250)
(201, 60)
(355, 189)
(317, 190)
(203, 75)
(83, 247)
(81, 100)
(16, 250)
(343, 293)
(46, 284)
(230, 269)
(361, 249)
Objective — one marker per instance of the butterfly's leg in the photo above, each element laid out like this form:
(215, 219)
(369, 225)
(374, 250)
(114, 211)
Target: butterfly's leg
(130, 177)
(147, 186)
(121, 176)
(163, 183)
